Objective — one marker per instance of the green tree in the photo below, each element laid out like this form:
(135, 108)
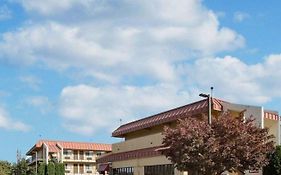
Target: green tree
(5, 168)
(42, 168)
(274, 166)
(21, 167)
(229, 144)
(59, 169)
(51, 169)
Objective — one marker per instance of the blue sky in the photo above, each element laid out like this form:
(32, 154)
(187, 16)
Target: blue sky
(70, 70)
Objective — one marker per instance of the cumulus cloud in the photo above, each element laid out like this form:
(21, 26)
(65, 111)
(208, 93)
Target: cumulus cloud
(237, 81)
(9, 124)
(166, 57)
(138, 38)
(87, 109)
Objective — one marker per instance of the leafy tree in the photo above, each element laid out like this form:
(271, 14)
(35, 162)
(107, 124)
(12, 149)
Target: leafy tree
(60, 169)
(229, 144)
(51, 169)
(21, 167)
(5, 168)
(274, 166)
(42, 168)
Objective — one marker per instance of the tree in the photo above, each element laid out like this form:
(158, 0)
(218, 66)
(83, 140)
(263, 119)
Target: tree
(51, 169)
(59, 169)
(274, 166)
(21, 167)
(5, 168)
(229, 144)
(42, 168)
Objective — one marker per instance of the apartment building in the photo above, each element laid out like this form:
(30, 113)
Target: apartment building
(138, 155)
(78, 157)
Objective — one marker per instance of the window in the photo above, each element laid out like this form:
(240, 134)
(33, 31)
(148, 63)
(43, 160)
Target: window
(167, 169)
(88, 167)
(123, 171)
(67, 152)
(66, 166)
(99, 153)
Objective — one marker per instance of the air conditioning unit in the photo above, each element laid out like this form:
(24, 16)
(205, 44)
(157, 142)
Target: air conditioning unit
(67, 157)
(67, 171)
(89, 171)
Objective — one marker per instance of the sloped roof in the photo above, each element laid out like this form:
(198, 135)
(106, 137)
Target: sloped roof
(168, 116)
(54, 146)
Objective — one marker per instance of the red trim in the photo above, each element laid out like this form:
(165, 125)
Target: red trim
(271, 115)
(135, 154)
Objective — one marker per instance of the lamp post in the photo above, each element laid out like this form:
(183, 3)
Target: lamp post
(209, 98)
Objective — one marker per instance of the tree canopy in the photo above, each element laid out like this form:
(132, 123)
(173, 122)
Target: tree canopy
(5, 168)
(229, 144)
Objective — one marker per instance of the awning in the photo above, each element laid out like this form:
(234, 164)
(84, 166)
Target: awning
(103, 167)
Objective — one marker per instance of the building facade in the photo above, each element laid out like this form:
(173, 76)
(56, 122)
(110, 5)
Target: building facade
(138, 155)
(78, 157)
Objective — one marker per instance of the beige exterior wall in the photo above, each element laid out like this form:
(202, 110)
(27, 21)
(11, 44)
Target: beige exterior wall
(138, 164)
(255, 111)
(273, 128)
(147, 141)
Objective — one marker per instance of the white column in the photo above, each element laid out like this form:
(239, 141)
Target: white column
(278, 137)
(47, 152)
(262, 117)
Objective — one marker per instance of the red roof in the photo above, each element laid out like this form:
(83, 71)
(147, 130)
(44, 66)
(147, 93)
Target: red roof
(167, 116)
(54, 146)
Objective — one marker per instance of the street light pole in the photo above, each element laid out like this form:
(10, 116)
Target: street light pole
(210, 109)
(209, 98)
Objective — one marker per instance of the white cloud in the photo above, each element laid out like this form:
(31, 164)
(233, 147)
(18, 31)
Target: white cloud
(5, 13)
(49, 7)
(236, 81)
(88, 109)
(125, 37)
(240, 16)
(144, 40)
(9, 124)
(41, 103)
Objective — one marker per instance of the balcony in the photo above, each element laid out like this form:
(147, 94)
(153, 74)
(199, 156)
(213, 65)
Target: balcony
(84, 159)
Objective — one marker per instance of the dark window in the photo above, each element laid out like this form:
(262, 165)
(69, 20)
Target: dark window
(123, 171)
(167, 169)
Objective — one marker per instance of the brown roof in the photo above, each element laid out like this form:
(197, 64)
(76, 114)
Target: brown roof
(167, 116)
(54, 146)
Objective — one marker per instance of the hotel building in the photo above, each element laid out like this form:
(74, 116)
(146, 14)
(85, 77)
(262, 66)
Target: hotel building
(138, 155)
(78, 157)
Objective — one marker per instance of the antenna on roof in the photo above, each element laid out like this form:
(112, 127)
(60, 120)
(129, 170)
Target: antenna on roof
(212, 91)
(120, 120)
